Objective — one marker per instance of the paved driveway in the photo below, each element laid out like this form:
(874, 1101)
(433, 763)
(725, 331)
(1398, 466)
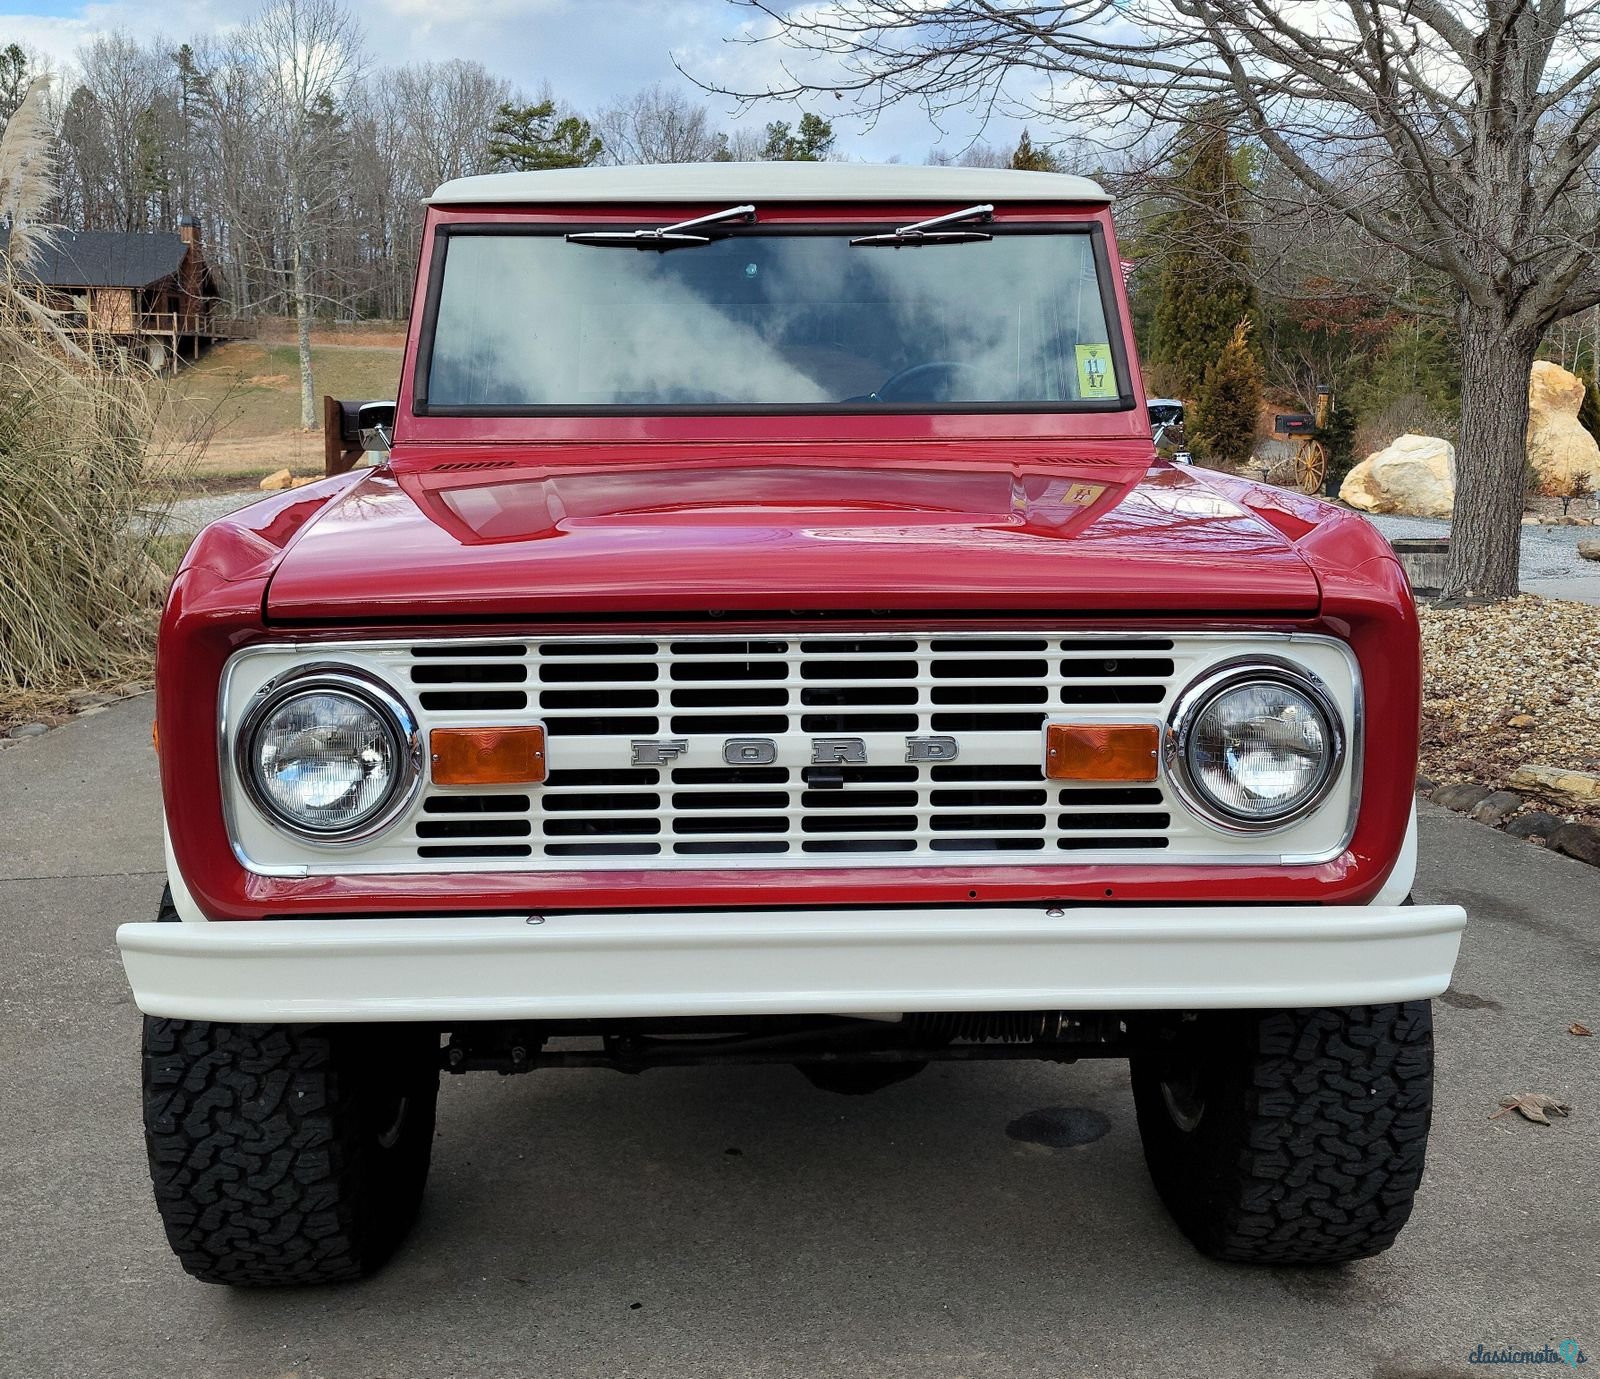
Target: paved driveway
(738, 1222)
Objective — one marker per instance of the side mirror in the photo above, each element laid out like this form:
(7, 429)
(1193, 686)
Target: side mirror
(375, 425)
(351, 429)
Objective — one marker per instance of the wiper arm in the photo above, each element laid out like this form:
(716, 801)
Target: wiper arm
(928, 231)
(667, 236)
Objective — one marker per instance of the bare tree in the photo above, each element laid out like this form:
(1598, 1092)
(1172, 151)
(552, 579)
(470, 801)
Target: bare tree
(411, 129)
(240, 197)
(658, 125)
(126, 81)
(149, 132)
(444, 112)
(306, 55)
(976, 155)
(1457, 135)
(743, 144)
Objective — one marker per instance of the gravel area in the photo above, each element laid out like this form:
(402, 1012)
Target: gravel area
(1510, 684)
(1551, 564)
(191, 514)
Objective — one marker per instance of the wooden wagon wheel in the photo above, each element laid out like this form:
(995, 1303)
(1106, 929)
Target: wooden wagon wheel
(1310, 466)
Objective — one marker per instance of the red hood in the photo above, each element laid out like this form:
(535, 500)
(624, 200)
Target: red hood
(508, 540)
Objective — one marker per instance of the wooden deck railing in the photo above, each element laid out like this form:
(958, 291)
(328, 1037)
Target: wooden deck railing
(168, 323)
(178, 323)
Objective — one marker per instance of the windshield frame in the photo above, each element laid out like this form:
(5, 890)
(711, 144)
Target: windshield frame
(1125, 401)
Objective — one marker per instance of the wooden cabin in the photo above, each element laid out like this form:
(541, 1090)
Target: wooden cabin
(150, 294)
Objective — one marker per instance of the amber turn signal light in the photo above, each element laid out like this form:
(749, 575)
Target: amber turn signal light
(487, 756)
(1101, 751)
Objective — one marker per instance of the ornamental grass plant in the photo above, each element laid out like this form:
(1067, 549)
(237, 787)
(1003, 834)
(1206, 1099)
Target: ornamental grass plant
(84, 487)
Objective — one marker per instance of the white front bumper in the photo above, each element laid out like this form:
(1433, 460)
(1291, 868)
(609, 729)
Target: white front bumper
(820, 962)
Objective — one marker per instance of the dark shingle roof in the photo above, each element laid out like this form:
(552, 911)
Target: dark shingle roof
(106, 258)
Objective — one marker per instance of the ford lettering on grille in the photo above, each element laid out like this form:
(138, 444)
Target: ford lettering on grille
(763, 751)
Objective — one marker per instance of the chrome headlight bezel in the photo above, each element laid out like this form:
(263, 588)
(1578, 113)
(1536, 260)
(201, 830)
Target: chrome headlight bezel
(1198, 696)
(398, 722)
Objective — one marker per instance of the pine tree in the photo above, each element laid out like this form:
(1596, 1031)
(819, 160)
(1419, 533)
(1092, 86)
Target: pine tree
(1027, 158)
(1205, 268)
(1339, 436)
(188, 110)
(1222, 426)
(527, 138)
(152, 178)
(810, 143)
(14, 79)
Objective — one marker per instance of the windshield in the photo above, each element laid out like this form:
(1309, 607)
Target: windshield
(758, 319)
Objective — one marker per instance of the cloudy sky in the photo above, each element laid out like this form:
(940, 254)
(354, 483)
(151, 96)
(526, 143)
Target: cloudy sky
(590, 51)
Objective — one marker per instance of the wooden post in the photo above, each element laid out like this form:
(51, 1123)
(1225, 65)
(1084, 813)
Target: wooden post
(339, 456)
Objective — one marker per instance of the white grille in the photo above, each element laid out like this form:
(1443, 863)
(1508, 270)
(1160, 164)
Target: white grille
(788, 750)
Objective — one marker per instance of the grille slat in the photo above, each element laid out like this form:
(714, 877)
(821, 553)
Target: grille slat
(784, 698)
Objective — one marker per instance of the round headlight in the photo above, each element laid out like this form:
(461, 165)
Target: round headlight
(329, 755)
(1255, 747)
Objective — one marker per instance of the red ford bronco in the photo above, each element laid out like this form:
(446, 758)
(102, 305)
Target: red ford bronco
(771, 637)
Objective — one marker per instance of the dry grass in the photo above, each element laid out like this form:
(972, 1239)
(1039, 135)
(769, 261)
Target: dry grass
(82, 495)
(83, 489)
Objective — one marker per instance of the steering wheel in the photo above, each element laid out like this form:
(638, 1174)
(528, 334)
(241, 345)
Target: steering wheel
(935, 381)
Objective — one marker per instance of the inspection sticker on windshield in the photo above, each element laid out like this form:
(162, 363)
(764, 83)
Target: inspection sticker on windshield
(1095, 378)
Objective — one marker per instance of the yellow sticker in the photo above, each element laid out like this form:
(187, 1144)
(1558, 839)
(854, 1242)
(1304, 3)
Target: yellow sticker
(1096, 378)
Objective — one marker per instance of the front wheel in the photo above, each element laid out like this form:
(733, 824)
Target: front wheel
(287, 1154)
(1289, 1136)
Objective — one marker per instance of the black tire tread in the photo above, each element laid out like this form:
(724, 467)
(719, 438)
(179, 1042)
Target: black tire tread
(1316, 1156)
(263, 1168)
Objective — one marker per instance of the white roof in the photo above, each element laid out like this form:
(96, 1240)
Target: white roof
(766, 182)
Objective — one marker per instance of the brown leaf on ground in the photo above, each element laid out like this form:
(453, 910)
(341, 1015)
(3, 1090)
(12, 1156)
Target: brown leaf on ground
(1579, 1029)
(1532, 1106)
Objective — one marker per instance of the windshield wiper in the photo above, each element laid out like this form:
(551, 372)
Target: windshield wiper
(667, 236)
(928, 232)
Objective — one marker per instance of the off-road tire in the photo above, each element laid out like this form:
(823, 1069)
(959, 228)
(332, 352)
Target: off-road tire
(287, 1154)
(1289, 1136)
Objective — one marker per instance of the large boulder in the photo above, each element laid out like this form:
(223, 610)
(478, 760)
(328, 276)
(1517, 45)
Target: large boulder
(1558, 446)
(1414, 476)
